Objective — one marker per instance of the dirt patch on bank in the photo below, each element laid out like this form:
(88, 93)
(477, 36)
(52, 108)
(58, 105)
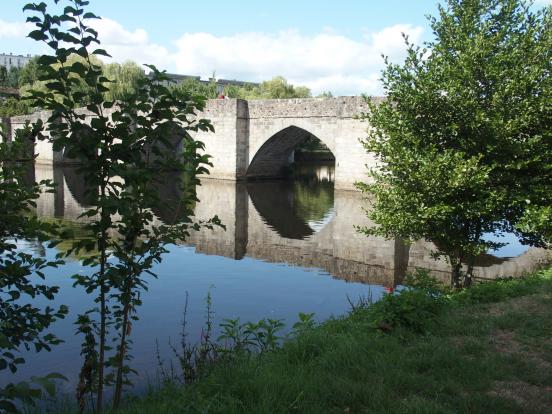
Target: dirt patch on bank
(526, 395)
(505, 342)
(529, 396)
(527, 304)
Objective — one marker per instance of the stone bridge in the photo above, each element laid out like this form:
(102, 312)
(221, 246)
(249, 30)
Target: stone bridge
(255, 139)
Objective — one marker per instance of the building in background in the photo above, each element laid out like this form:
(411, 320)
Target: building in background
(223, 83)
(15, 61)
(176, 79)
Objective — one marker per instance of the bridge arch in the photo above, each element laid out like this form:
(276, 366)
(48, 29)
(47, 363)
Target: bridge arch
(274, 153)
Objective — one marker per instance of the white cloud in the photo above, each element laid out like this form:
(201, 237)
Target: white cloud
(123, 44)
(390, 41)
(14, 29)
(326, 61)
(543, 2)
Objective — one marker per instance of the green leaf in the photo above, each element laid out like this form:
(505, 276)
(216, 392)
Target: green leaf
(37, 35)
(47, 60)
(89, 15)
(101, 52)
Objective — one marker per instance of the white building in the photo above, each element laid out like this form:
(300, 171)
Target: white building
(11, 60)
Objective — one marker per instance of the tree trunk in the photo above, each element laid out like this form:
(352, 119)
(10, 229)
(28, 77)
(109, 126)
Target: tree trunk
(468, 276)
(102, 245)
(101, 357)
(456, 274)
(121, 357)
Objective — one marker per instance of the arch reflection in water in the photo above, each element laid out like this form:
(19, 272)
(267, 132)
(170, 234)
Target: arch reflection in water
(176, 194)
(294, 209)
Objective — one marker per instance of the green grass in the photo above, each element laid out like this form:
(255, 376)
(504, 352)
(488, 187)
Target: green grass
(487, 350)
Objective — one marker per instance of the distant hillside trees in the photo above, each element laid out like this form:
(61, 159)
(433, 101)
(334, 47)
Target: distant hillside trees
(276, 88)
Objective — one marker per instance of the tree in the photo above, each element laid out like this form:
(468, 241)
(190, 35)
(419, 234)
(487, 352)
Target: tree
(536, 225)
(39, 73)
(124, 149)
(13, 106)
(29, 73)
(276, 88)
(325, 94)
(464, 135)
(9, 78)
(125, 78)
(195, 87)
(3, 75)
(23, 324)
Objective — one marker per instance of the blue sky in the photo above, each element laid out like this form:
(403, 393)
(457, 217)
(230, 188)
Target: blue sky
(326, 45)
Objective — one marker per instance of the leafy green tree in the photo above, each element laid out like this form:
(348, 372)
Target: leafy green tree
(464, 135)
(29, 73)
(3, 75)
(536, 225)
(13, 77)
(241, 92)
(39, 72)
(276, 88)
(325, 94)
(125, 79)
(313, 144)
(23, 325)
(13, 106)
(194, 87)
(123, 147)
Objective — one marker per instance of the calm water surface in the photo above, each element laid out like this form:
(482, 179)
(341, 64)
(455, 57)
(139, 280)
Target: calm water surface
(289, 247)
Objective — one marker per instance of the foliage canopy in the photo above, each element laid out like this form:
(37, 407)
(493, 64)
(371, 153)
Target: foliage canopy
(126, 140)
(464, 136)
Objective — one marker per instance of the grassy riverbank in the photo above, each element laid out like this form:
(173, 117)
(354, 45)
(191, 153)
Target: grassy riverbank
(485, 350)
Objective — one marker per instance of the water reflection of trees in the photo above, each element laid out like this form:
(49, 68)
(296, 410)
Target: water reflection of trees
(176, 192)
(292, 209)
(289, 207)
(313, 200)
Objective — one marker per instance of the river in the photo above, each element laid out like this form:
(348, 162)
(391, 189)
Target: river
(289, 246)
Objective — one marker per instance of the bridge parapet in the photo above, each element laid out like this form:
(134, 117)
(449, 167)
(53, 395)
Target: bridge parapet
(338, 107)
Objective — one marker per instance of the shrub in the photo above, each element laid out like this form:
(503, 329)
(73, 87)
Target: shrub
(412, 309)
(423, 281)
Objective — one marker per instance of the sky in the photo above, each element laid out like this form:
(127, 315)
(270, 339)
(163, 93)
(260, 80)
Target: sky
(327, 45)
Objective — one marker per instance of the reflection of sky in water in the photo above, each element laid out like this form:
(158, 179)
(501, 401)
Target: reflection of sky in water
(250, 289)
(318, 225)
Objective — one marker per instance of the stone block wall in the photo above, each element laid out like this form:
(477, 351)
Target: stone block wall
(228, 117)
